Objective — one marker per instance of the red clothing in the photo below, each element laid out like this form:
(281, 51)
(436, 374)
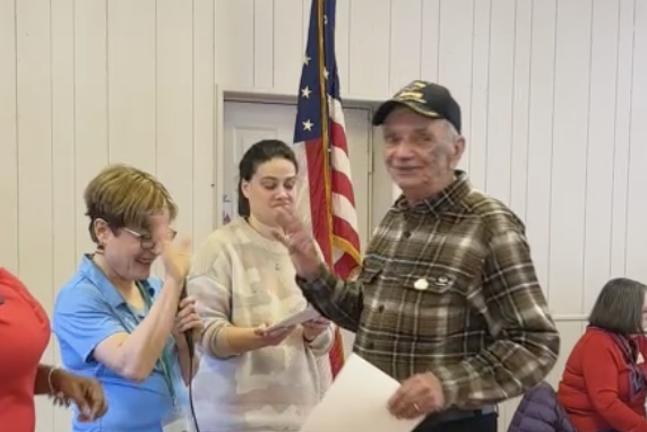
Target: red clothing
(595, 390)
(24, 334)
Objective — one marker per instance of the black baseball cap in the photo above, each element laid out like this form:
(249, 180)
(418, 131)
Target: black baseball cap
(427, 99)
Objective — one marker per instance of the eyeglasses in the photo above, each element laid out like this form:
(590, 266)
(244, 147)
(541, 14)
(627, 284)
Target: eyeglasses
(146, 241)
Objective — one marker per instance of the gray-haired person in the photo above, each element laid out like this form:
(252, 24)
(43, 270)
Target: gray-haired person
(447, 300)
(604, 383)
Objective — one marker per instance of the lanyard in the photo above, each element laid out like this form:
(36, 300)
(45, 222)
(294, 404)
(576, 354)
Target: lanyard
(164, 359)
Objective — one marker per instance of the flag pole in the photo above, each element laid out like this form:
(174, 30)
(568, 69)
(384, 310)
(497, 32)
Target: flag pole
(325, 137)
(327, 148)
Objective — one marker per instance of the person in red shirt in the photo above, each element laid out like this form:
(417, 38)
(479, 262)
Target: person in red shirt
(24, 335)
(604, 385)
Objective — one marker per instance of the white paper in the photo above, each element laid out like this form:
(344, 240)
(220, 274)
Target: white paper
(297, 318)
(357, 401)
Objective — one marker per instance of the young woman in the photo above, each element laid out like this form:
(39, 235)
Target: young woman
(604, 385)
(242, 277)
(116, 322)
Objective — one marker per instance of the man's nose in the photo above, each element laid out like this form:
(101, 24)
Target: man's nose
(403, 150)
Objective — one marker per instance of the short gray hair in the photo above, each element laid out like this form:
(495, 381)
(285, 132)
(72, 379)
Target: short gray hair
(451, 131)
(619, 307)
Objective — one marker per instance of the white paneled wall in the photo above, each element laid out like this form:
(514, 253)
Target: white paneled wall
(553, 94)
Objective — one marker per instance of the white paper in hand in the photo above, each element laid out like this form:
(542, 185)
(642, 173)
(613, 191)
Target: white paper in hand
(296, 318)
(357, 401)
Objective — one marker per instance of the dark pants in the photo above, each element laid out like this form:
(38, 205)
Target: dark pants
(477, 423)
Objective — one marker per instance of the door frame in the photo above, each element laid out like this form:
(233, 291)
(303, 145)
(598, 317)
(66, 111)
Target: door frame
(224, 94)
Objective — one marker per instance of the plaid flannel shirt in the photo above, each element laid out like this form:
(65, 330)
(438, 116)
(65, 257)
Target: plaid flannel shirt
(448, 286)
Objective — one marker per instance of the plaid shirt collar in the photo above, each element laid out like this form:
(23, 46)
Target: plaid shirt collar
(437, 204)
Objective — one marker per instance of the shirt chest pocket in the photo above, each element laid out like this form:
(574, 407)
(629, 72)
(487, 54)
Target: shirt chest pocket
(435, 286)
(436, 281)
(434, 302)
(420, 280)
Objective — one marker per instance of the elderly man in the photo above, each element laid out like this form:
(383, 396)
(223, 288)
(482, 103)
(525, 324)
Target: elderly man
(447, 301)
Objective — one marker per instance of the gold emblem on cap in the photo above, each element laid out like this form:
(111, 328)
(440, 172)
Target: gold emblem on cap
(411, 92)
(411, 95)
(417, 84)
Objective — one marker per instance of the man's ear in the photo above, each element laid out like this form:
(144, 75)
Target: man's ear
(458, 148)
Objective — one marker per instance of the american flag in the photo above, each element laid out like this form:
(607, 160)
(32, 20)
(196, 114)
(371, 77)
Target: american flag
(326, 200)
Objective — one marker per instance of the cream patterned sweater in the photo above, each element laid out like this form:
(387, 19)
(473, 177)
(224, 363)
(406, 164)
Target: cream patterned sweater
(244, 279)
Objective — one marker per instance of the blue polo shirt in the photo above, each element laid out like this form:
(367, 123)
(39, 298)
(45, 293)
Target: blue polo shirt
(87, 310)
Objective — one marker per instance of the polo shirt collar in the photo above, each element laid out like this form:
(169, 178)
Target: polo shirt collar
(446, 199)
(97, 277)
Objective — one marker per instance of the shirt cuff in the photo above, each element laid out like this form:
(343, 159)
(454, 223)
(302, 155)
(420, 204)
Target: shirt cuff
(217, 342)
(447, 375)
(324, 277)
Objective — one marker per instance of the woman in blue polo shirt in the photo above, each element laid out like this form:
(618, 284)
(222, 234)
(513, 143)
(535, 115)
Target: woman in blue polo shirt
(114, 321)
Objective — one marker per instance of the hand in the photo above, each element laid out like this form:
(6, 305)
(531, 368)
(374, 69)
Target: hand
(86, 393)
(176, 256)
(187, 319)
(272, 338)
(299, 242)
(314, 327)
(418, 395)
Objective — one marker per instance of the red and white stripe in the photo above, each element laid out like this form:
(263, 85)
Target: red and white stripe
(311, 203)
